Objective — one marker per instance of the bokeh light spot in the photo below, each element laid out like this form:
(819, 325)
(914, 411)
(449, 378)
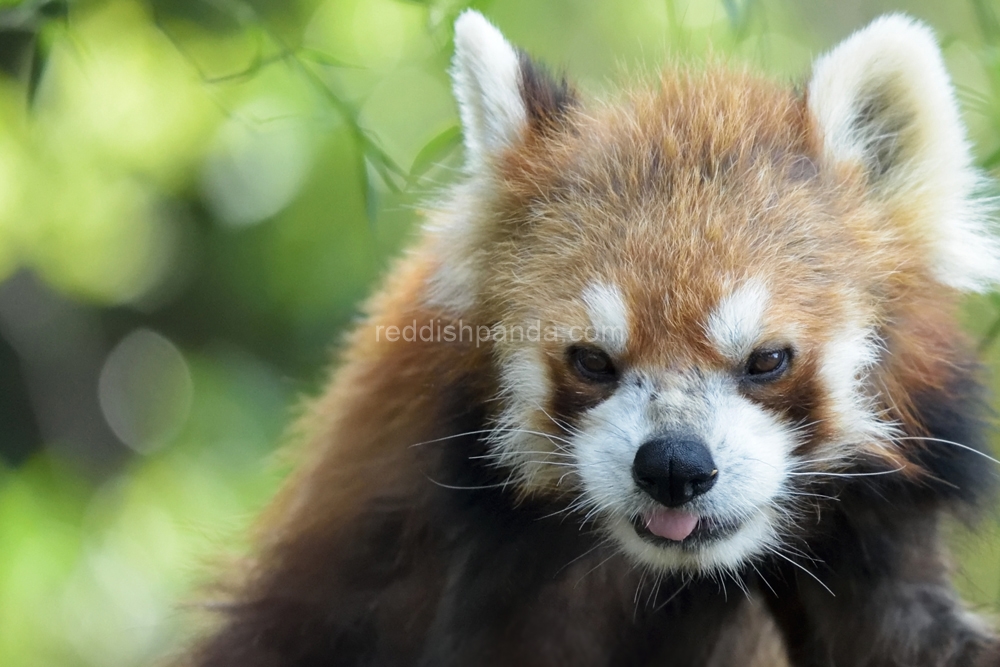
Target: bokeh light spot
(257, 164)
(145, 390)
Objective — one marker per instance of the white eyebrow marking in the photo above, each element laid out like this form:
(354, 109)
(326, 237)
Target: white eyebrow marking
(737, 323)
(608, 316)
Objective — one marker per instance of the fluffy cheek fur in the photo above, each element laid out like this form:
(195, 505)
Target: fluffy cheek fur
(518, 441)
(854, 413)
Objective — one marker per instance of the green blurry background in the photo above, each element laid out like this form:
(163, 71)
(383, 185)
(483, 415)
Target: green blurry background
(194, 196)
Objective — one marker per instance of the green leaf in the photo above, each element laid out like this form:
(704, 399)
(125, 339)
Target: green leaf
(322, 58)
(435, 150)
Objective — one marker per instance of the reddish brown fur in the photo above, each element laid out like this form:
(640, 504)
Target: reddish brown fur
(692, 147)
(714, 164)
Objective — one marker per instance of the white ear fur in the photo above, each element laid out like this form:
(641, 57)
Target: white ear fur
(883, 98)
(486, 76)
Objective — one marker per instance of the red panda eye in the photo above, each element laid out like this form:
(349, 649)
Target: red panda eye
(768, 364)
(592, 364)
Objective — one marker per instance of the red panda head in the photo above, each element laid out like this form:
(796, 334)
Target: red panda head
(703, 293)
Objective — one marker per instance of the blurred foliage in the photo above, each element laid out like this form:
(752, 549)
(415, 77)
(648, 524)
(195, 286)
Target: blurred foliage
(195, 195)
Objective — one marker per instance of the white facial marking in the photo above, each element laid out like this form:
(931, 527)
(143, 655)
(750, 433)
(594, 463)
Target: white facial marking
(605, 446)
(751, 448)
(524, 387)
(608, 316)
(737, 323)
(846, 362)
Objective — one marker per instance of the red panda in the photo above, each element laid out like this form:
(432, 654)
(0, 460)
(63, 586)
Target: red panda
(674, 380)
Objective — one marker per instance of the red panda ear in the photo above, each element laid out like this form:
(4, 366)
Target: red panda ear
(501, 93)
(486, 76)
(883, 100)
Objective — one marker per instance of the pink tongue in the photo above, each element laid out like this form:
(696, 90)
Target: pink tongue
(671, 524)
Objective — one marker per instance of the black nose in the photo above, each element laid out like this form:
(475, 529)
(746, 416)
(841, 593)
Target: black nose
(674, 470)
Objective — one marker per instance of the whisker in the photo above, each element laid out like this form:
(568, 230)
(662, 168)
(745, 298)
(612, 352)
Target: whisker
(846, 474)
(594, 569)
(466, 488)
(575, 505)
(563, 476)
(493, 456)
(950, 442)
(638, 589)
(561, 424)
(654, 590)
(805, 425)
(810, 495)
(497, 429)
(581, 556)
(542, 434)
(739, 583)
(451, 437)
(760, 575)
(551, 463)
(802, 567)
(671, 598)
(839, 459)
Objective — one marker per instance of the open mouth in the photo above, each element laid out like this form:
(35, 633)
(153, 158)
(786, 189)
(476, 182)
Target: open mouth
(670, 527)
